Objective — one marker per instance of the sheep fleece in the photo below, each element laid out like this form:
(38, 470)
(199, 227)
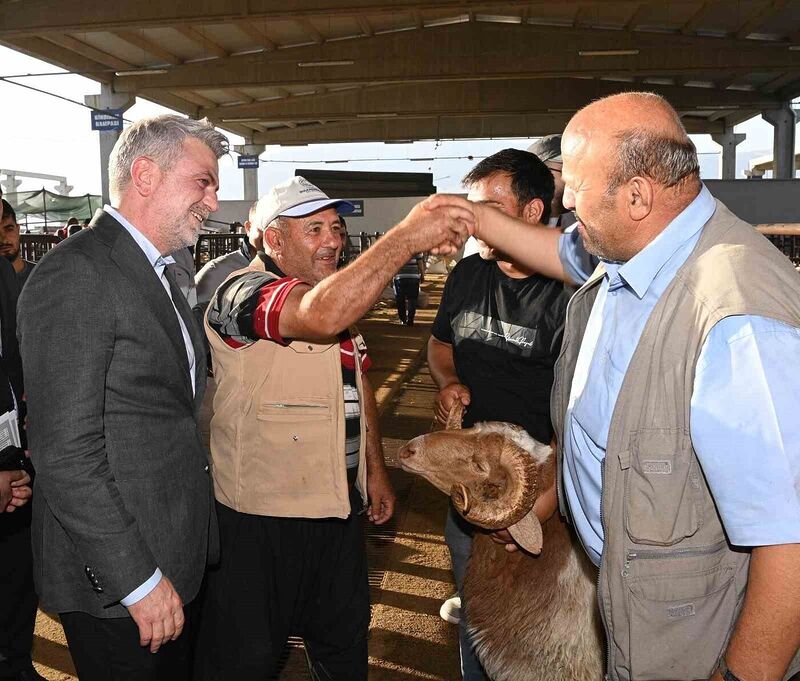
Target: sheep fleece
(534, 618)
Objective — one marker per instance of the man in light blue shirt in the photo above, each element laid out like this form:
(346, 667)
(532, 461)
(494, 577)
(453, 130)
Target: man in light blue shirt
(744, 358)
(744, 400)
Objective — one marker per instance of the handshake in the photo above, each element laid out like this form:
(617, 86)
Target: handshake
(441, 224)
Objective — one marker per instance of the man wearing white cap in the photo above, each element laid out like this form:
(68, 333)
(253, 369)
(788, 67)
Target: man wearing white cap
(295, 444)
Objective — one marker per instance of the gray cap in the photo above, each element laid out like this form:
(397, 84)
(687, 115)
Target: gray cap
(547, 148)
(294, 198)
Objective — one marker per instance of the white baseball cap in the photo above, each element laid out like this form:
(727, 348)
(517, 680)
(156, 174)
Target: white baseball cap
(295, 198)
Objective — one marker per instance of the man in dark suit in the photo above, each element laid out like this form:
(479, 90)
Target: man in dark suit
(17, 596)
(116, 369)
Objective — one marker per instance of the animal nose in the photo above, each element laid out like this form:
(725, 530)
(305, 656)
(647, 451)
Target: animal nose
(406, 452)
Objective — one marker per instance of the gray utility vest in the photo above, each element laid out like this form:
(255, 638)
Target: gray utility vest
(670, 586)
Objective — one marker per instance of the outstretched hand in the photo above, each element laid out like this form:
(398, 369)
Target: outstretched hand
(440, 224)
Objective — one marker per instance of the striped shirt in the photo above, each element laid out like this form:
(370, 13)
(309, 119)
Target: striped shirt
(348, 346)
(247, 308)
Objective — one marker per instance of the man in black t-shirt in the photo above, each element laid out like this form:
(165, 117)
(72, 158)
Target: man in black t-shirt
(496, 337)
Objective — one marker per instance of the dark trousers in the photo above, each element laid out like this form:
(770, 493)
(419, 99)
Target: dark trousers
(406, 293)
(458, 535)
(279, 577)
(17, 596)
(105, 649)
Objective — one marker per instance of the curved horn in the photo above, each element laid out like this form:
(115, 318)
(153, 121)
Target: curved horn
(460, 498)
(496, 505)
(455, 416)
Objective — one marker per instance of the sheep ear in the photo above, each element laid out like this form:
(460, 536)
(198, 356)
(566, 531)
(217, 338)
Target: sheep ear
(455, 416)
(528, 533)
(460, 498)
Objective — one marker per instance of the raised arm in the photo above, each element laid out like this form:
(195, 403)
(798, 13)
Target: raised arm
(533, 246)
(342, 298)
(254, 305)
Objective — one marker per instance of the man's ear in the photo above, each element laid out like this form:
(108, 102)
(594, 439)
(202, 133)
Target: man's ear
(145, 175)
(638, 195)
(273, 239)
(533, 211)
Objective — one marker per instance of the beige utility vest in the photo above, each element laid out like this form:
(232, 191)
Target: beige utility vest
(278, 427)
(670, 586)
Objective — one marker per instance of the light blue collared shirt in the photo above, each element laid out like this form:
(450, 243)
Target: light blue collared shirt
(578, 263)
(744, 424)
(158, 263)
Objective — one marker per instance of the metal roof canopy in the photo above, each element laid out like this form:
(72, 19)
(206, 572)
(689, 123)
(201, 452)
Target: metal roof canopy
(357, 184)
(304, 71)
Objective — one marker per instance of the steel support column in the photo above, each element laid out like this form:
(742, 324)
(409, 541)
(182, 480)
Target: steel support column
(107, 99)
(728, 140)
(250, 175)
(784, 121)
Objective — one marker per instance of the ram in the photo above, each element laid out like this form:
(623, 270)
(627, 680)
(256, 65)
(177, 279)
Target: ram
(532, 613)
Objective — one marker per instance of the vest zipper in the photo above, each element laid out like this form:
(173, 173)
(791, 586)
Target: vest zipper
(283, 405)
(557, 390)
(648, 554)
(600, 572)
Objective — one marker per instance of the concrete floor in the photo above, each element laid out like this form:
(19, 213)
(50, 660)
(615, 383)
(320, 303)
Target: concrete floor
(409, 564)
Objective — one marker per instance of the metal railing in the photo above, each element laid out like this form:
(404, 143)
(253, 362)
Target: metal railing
(365, 240)
(786, 238)
(33, 246)
(210, 246)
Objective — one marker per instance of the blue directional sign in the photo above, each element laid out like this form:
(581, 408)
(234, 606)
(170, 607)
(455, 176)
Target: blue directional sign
(111, 119)
(248, 161)
(358, 207)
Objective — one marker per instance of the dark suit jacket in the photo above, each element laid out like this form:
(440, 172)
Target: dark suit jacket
(122, 473)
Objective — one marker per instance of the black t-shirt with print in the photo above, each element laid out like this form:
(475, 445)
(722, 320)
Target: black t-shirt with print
(506, 335)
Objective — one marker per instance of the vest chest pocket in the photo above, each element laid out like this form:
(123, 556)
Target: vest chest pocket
(662, 487)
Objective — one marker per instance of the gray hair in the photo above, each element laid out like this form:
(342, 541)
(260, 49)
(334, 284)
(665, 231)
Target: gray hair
(279, 223)
(646, 153)
(253, 212)
(160, 138)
